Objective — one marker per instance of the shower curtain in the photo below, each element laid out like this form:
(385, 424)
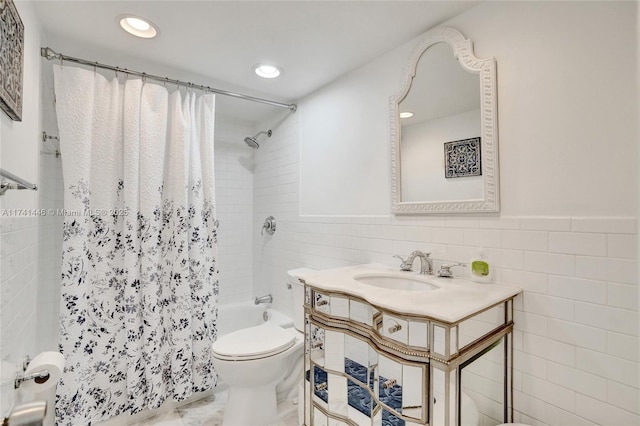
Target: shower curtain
(139, 284)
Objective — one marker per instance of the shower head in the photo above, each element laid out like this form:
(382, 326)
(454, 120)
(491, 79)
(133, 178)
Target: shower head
(253, 141)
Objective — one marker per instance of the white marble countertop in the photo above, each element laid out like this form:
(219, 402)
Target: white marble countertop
(453, 300)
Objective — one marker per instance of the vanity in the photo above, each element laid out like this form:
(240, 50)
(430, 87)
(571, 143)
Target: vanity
(391, 348)
(385, 347)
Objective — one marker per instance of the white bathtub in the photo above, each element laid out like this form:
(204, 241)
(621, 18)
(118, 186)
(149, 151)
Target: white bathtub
(236, 316)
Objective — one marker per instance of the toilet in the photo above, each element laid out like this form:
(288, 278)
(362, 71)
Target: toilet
(262, 364)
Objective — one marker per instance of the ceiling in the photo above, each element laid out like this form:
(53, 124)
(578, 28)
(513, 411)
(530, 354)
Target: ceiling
(313, 41)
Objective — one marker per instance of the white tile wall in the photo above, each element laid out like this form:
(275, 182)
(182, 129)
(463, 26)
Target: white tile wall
(18, 298)
(576, 332)
(20, 143)
(234, 204)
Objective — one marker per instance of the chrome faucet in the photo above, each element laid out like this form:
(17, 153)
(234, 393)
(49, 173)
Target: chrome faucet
(426, 264)
(263, 299)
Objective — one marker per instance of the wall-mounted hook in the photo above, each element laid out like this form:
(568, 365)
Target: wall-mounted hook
(269, 225)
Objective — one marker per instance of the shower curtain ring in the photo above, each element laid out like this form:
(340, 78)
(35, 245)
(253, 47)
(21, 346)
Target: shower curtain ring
(144, 77)
(95, 68)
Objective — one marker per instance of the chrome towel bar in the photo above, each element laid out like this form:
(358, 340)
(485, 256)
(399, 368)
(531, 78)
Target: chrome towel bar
(17, 182)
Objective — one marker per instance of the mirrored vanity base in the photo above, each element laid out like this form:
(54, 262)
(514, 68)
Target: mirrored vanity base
(370, 366)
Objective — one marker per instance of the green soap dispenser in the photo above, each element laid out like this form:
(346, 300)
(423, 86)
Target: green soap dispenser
(480, 269)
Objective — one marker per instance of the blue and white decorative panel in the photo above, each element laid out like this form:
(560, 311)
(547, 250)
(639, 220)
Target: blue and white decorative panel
(389, 419)
(358, 372)
(358, 397)
(320, 382)
(462, 158)
(392, 397)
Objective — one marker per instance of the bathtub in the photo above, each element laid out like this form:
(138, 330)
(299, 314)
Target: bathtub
(236, 316)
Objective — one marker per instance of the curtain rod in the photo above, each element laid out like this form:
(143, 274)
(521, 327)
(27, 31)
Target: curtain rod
(49, 53)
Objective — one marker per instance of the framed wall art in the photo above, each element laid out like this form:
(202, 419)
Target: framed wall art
(11, 60)
(462, 158)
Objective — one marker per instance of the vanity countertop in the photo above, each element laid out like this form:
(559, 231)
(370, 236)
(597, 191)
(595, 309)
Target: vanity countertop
(453, 300)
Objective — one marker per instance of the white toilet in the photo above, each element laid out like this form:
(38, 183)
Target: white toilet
(261, 364)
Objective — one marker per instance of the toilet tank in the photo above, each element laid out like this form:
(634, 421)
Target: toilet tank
(297, 290)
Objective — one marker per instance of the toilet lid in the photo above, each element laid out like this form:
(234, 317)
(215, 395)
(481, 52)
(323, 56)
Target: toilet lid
(253, 342)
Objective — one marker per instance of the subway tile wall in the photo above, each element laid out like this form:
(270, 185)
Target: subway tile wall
(576, 324)
(234, 204)
(18, 287)
(30, 279)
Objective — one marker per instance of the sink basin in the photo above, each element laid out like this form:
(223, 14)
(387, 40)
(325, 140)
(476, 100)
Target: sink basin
(396, 282)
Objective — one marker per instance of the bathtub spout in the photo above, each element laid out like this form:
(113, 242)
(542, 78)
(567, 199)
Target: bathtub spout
(263, 299)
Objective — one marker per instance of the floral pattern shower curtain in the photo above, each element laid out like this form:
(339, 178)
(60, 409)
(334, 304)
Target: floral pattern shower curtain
(139, 285)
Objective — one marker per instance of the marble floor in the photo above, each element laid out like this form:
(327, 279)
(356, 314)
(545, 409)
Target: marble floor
(208, 411)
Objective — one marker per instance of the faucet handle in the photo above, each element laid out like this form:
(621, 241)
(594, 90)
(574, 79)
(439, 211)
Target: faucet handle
(404, 266)
(399, 257)
(446, 272)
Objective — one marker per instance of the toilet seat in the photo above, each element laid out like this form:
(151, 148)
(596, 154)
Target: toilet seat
(253, 343)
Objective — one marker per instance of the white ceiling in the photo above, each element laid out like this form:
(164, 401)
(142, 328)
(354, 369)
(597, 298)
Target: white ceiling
(313, 41)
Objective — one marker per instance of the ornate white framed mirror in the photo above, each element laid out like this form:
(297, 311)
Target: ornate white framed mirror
(443, 123)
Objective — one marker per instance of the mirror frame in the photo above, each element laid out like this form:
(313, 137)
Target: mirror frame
(486, 68)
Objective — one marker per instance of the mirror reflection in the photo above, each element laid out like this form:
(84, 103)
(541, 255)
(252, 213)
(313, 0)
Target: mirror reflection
(444, 152)
(440, 142)
(413, 378)
(482, 396)
(337, 402)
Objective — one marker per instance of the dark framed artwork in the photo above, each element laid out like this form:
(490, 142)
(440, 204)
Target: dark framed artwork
(11, 57)
(462, 158)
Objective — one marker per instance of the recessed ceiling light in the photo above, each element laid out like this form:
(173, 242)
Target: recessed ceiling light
(406, 114)
(267, 71)
(138, 26)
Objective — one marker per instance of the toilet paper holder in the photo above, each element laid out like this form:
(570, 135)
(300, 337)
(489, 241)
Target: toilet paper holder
(39, 376)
